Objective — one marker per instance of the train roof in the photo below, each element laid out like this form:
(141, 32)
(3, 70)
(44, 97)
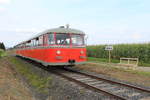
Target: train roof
(64, 30)
(61, 29)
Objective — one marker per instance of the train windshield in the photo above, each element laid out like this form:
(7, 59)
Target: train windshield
(77, 39)
(67, 39)
(62, 39)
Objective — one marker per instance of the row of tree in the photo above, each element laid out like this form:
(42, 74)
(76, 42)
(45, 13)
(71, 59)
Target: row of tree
(2, 46)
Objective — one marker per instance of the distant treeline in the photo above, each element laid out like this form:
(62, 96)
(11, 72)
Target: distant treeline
(2, 46)
(141, 51)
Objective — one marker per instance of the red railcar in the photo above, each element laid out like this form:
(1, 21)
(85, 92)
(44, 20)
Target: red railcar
(59, 46)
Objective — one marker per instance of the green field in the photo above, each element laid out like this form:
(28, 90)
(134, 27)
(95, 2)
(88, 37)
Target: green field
(141, 51)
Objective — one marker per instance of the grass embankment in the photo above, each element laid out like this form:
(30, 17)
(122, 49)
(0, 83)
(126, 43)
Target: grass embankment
(100, 60)
(93, 59)
(2, 53)
(105, 63)
(38, 82)
(133, 76)
(11, 88)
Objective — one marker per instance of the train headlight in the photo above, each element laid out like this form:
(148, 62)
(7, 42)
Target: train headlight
(58, 52)
(82, 52)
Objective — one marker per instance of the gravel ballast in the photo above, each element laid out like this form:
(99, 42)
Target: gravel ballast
(60, 88)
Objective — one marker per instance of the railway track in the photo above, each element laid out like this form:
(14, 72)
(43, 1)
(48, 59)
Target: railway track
(118, 90)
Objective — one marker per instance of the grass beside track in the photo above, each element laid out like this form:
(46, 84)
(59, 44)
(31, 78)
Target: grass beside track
(133, 76)
(102, 60)
(93, 59)
(104, 63)
(39, 83)
(2, 53)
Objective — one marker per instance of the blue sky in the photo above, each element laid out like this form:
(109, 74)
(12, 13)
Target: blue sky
(104, 21)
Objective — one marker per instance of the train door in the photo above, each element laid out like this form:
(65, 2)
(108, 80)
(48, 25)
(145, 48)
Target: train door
(45, 50)
(45, 39)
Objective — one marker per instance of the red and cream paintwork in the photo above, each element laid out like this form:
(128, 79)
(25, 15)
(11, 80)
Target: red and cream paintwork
(54, 54)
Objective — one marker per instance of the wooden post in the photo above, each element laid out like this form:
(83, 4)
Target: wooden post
(137, 62)
(128, 61)
(120, 60)
(109, 56)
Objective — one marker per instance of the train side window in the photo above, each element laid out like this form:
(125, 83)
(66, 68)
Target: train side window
(36, 41)
(20, 45)
(41, 40)
(23, 45)
(28, 44)
(51, 38)
(33, 42)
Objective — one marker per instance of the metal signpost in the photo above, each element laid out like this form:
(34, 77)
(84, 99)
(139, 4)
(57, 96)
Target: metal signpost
(109, 48)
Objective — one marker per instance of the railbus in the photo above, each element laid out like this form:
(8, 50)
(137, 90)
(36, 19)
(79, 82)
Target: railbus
(57, 46)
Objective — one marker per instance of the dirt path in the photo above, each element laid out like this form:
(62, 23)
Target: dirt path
(139, 68)
(146, 69)
(11, 88)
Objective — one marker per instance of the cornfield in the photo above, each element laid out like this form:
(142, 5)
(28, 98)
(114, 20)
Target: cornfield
(141, 51)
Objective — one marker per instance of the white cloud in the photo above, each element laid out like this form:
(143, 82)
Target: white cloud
(2, 9)
(5, 1)
(19, 30)
(136, 36)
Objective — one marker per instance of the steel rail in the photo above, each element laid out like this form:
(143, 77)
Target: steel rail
(111, 81)
(89, 86)
(94, 77)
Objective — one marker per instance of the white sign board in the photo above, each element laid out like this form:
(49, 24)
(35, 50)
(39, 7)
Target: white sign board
(109, 48)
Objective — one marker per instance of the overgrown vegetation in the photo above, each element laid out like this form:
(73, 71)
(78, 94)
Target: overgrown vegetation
(39, 83)
(141, 51)
(2, 53)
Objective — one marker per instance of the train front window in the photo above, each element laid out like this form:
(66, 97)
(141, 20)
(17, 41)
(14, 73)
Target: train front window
(51, 38)
(77, 39)
(62, 39)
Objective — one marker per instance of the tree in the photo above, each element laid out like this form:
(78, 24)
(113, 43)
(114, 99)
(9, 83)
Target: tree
(2, 46)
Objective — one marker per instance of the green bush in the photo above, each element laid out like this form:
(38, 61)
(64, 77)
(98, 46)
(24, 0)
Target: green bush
(141, 51)
(2, 53)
